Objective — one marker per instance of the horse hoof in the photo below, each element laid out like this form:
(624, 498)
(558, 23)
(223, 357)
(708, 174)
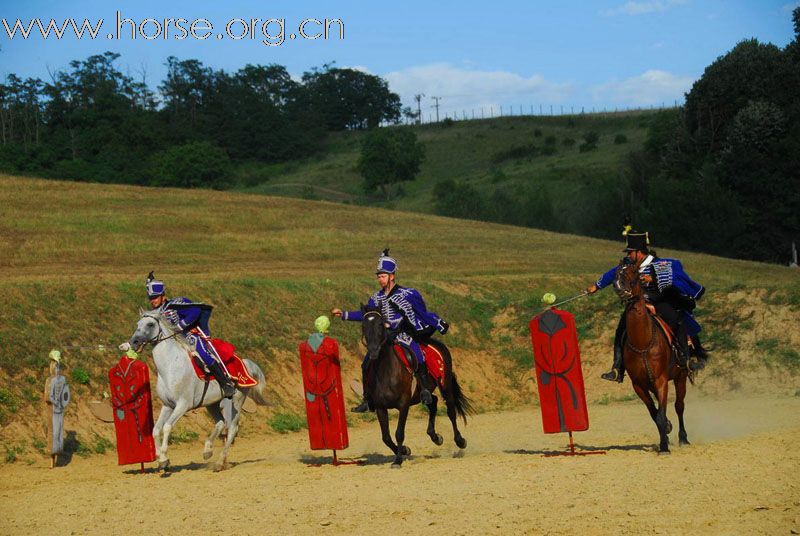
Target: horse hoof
(207, 454)
(397, 465)
(218, 467)
(405, 451)
(437, 439)
(163, 466)
(461, 442)
(683, 442)
(664, 452)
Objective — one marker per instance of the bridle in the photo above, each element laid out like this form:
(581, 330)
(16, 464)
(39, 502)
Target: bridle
(160, 337)
(378, 315)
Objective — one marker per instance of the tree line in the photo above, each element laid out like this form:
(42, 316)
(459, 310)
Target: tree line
(720, 174)
(93, 122)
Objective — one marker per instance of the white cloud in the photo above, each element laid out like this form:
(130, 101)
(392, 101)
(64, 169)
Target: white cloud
(651, 87)
(640, 8)
(465, 90)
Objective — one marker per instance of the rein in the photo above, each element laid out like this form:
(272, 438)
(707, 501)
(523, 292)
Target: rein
(629, 302)
(159, 338)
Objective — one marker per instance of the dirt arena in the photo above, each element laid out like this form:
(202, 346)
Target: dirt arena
(741, 475)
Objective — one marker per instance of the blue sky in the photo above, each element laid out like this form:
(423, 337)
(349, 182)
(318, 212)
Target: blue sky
(472, 54)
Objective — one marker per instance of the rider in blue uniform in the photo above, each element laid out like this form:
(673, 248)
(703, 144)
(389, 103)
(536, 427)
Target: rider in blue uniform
(409, 322)
(191, 319)
(670, 290)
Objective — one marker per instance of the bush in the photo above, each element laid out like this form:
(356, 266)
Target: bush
(619, 139)
(591, 138)
(101, 444)
(549, 150)
(550, 140)
(447, 122)
(286, 422)
(586, 147)
(515, 153)
(81, 376)
(537, 133)
(197, 164)
(568, 142)
(498, 176)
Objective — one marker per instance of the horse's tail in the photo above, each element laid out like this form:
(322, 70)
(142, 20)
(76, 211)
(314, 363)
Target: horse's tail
(257, 392)
(461, 402)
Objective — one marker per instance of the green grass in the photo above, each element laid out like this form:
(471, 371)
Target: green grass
(287, 422)
(476, 152)
(183, 436)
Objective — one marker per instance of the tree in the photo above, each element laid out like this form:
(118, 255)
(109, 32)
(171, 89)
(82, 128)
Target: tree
(346, 99)
(196, 164)
(389, 156)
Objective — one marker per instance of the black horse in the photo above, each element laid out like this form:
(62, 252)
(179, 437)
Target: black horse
(389, 386)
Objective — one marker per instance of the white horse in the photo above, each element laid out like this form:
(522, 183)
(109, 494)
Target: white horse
(180, 390)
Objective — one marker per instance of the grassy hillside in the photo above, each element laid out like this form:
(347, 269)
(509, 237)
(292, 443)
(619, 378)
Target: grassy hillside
(73, 258)
(466, 152)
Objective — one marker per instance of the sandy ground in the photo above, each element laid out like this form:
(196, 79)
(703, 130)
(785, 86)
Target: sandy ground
(741, 475)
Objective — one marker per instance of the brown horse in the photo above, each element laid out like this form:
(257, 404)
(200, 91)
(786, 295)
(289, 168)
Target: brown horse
(389, 386)
(648, 358)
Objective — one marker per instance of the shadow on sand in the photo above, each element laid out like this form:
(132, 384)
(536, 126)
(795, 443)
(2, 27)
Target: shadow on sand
(587, 448)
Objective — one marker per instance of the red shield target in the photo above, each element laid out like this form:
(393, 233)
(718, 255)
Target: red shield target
(133, 411)
(322, 385)
(558, 372)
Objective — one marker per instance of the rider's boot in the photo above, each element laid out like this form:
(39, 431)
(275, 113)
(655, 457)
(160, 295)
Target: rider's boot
(366, 403)
(425, 395)
(698, 354)
(225, 384)
(364, 406)
(616, 374)
(682, 346)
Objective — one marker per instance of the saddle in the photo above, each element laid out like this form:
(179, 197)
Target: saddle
(433, 359)
(233, 363)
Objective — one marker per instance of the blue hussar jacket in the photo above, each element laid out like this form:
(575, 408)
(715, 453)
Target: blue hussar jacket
(665, 273)
(190, 314)
(404, 310)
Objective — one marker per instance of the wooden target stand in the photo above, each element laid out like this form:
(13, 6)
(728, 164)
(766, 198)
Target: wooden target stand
(572, 451)
(337, 462)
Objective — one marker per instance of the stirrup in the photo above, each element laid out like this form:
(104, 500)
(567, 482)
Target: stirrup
(228, 389)
(425, 396)
(613, 375)
(362, 408)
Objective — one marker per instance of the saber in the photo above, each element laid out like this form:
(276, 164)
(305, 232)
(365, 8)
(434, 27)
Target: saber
(575, 297)
(98, 347)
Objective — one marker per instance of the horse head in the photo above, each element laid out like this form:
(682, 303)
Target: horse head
(374, 330)
(626, 282)
(149, 329)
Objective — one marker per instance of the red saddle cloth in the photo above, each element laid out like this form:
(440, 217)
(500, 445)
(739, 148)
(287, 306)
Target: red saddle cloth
(133, 411)
(433, 359)
(233, 363)
(559, 377)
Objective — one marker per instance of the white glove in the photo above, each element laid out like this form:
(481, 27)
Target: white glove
(125, 346)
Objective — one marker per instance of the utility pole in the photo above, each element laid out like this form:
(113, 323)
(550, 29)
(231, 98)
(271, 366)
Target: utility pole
(436, 99)
(418, 98)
